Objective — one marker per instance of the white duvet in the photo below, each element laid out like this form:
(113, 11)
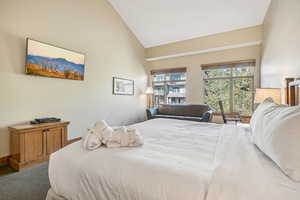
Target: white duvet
(180, 160)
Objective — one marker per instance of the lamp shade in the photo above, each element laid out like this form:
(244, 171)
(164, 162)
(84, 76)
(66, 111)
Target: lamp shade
(263, 93)
(149, 90)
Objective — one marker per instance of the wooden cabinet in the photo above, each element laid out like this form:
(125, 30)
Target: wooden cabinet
(33, 144)
(54, 140)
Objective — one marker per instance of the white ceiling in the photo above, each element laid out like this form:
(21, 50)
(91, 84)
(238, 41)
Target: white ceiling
(157, 22)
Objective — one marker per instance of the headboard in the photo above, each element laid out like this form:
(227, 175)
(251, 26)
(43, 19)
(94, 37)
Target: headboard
(292, 91)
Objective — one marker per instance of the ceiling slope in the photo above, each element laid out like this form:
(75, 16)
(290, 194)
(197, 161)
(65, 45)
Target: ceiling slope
(158, 22)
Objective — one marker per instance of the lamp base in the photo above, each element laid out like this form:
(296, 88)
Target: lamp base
(149, 101)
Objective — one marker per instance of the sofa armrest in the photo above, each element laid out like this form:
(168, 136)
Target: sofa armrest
(151, 112)
(207, 116)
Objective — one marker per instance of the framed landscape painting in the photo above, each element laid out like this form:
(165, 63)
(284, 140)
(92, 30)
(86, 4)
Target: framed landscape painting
(47, 60)
(123, 86)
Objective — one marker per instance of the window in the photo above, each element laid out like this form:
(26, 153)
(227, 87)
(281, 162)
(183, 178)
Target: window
(233, 84)
(169, 86)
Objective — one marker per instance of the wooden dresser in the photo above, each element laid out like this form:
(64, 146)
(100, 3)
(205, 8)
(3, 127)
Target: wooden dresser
(32, 144)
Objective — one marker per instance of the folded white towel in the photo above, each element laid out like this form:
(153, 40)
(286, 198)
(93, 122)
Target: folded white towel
(112, 138)
(103, 130)
(115, 140)
(135, 138)
(91, 140)
(125, 137)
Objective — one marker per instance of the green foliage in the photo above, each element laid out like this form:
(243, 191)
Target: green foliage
(233, 86)
(216, 90)
(243, 96)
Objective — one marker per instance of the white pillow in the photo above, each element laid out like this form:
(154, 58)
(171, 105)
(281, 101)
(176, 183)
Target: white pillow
(258, 115)
(276, 131)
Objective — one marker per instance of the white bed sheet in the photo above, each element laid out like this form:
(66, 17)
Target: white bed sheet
(243, 172)
(181, 160)
(175, 163)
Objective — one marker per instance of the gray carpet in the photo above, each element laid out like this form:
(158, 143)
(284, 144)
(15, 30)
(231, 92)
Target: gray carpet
(30, 184)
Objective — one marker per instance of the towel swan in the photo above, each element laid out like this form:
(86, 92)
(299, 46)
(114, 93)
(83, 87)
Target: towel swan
(102, 134)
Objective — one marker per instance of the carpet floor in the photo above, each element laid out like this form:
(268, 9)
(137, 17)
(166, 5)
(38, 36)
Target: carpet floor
(29, 184)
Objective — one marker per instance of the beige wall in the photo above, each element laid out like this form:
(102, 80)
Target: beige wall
(194, 85)
(92, 27)
(281, 47)
(231, 38)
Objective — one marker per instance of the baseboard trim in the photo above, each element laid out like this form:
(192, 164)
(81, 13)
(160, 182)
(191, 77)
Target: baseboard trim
(73, 140)
(4, 160)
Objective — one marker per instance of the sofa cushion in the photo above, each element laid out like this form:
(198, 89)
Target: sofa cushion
(183, 110)
(198, 119)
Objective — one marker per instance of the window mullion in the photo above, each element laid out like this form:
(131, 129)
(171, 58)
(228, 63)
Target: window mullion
(231, 92)
(252, 92)
(165, 91)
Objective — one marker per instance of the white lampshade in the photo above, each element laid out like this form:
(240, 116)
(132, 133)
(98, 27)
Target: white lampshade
(149, 90)
(263, 93)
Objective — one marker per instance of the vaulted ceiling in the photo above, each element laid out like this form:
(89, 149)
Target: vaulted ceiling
(157, 22)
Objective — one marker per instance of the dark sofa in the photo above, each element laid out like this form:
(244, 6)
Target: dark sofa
(192, 112)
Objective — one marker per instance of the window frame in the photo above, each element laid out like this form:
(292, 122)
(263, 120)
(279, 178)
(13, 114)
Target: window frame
(165, 82)
(231, 78)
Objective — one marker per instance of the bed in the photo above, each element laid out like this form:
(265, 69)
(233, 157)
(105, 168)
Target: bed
(179, 160)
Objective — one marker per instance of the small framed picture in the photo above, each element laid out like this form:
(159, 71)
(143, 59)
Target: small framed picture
(123, 86)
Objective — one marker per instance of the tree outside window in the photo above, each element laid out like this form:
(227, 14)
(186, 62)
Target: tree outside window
(232, 84)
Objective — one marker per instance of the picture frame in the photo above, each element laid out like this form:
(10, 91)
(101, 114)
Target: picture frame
(123, 86)
(43, 59)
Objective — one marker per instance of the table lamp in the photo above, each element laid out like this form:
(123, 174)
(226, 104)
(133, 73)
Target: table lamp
(263, 93)
(149, 91)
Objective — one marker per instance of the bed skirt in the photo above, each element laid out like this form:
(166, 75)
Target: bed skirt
(51, 195)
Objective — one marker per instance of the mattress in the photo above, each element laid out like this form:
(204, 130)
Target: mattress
(179, 160)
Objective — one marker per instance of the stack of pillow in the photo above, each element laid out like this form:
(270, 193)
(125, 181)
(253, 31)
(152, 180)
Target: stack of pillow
(276, 132)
